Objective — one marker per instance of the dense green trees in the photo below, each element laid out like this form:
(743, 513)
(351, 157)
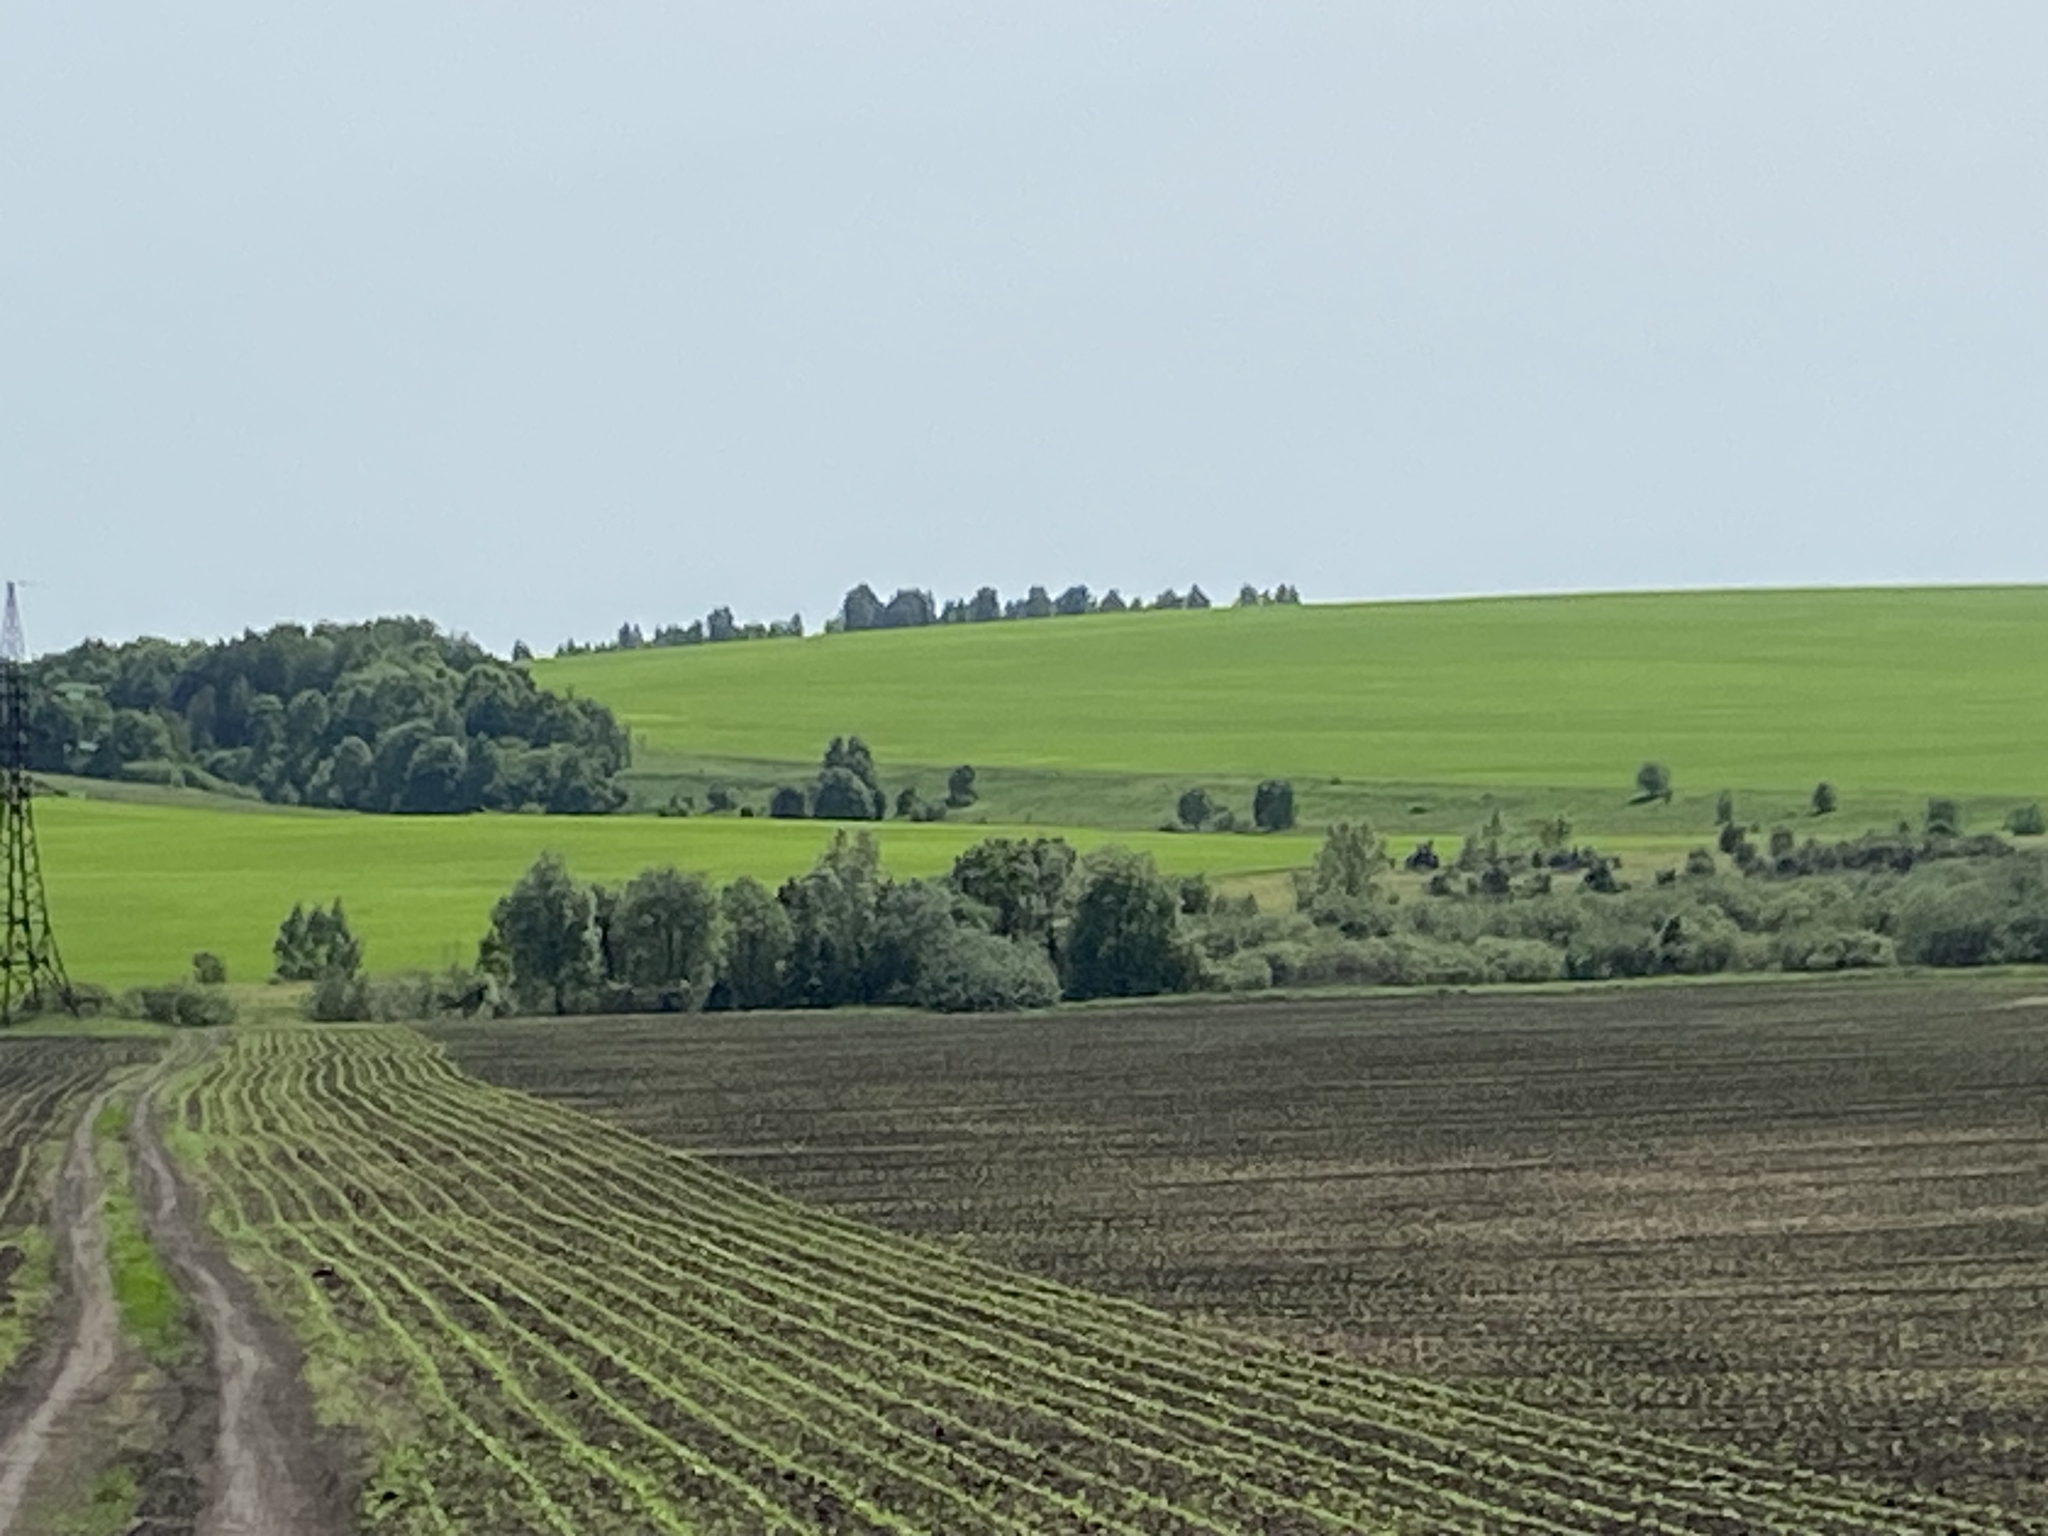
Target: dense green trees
(392, 715)
(911, 607)
(1273, 805)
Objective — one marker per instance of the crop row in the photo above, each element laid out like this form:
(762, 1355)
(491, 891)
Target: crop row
(611, 1336)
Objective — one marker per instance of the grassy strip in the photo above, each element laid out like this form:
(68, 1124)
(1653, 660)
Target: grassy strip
(152, 1309)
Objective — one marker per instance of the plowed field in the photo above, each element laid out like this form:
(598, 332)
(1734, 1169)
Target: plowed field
(593, 1333)
(1808, 1223)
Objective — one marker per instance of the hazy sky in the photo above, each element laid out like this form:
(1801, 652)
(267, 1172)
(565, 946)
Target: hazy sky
(536, 317)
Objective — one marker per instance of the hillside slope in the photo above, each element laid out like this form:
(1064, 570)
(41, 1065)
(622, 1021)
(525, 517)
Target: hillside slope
(1916, 691)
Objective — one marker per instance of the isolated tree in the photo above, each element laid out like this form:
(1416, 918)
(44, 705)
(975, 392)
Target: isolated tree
(1724, 808)
(1195, 808)
(662, 934)
(787, 803)
(547, 929)
(315, 942)
(1248, 596)
(754, 945)
(1112, 602)
(1124, 939)
(960, 790)
(1273, 805)
(2025, 820)
(521, 651)
(1653, 782)
(208, 969)
(1824, 799)
(1944, 818)
(1197, 598)
(1073, 602)
(986, 606)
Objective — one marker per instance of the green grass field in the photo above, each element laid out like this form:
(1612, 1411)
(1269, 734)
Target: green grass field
(1888, 694)
(136, 888)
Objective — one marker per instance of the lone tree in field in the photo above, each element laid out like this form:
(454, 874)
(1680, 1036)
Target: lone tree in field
(1653, 782)
(1824, 799)
(960, 790)
(1195, 808)
(1273, 805)
(1724, 808)
(1944, 818)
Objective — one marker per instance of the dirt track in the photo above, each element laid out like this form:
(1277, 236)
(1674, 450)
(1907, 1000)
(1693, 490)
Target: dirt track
(273, 1470)
(74, 1367)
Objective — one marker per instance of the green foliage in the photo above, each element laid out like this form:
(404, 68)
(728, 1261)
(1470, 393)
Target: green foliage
(406, 997)
(546, 928)
(391, 715)
(1724, 809)
(1194, 808)
(661, 939)
(960, 791)
(1021, 885)
(2026, 821)
(755, 945)
(1273, 806)
(1824, 799)
(1653, 782)
(787, 803)
(184, 1005)
(316, 942)
(1944, 818)
(208, 969)
(1348, 864)
(848, 788)
(1124, 938)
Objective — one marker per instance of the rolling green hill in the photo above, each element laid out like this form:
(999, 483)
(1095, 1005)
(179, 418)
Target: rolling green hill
(1885, 693)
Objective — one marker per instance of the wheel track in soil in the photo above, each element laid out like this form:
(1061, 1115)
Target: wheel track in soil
(94, 1337)
(271, 1468)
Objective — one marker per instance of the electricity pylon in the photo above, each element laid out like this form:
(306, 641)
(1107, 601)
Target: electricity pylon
(31, 971)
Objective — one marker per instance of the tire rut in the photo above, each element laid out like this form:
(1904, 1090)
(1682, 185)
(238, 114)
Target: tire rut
(94, 1336)
(273, 1469)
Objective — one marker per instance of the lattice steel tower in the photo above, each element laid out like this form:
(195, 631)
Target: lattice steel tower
(31, 972)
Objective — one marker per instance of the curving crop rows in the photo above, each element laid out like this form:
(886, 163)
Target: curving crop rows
(43, 1082)
(606, 1336)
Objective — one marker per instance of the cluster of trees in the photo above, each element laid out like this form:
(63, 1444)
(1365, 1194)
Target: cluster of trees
(1019, 924)
(1015, 924)
(390, 715)
(714, 628)
(912, 608)
(849, 788)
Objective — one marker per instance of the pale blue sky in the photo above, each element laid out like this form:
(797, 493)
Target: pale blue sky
(533, 318)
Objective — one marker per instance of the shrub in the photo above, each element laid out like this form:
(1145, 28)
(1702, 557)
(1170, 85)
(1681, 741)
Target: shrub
(407, 998)
(972, 971)
(1653, 782)
(1724, 808)
(209, 970)
(960, 790)
(720, 797)
(185, 1005)
(1824, 801)
(1944, 818)
(1194, 808)
(787, 803)
(2025, 821)
(1699, 862)
(1246, 971)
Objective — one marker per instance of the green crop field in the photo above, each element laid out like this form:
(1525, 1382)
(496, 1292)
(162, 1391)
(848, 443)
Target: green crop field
(136, 888)
(1884, 693)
